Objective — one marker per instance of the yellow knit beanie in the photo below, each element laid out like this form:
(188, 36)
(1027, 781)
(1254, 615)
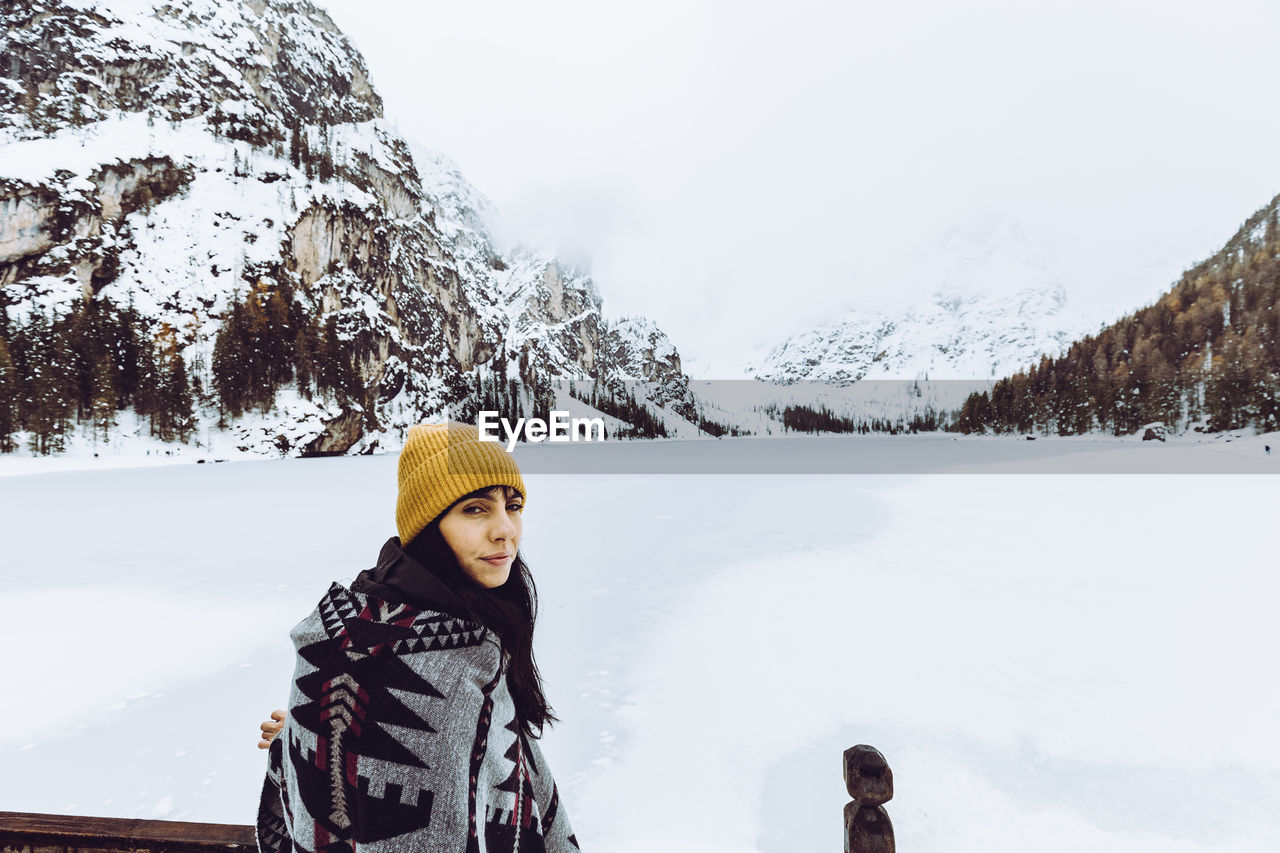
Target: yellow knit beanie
(442, 462)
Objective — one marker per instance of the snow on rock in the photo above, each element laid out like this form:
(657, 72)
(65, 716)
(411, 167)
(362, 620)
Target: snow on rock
(995, 308)
(174, 154)
(638, 350)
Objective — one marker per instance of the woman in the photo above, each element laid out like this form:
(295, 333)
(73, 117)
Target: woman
(415, 695)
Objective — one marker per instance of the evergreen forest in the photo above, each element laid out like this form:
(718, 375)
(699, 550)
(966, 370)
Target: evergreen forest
(1206, 356)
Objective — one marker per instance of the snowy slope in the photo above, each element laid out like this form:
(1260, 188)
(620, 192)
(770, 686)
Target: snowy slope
(994, 307)
(150, 156)
(709, 659)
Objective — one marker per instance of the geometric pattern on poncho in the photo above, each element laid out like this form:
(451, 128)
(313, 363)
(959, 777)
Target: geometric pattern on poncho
(356, 672)
(479, 746)
(271, 830)
(365, 694)
(518, 828)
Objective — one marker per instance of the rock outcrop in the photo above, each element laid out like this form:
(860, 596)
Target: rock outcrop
(173, 156)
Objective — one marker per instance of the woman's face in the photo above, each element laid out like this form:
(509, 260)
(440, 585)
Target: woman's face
(483, 533)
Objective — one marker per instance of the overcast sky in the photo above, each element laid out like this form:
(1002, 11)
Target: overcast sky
(739, 170)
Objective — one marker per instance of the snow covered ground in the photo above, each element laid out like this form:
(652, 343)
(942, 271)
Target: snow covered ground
(1237, 452)
(1050, 663)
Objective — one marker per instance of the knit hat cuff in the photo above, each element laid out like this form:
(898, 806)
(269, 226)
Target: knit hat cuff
(432, 481)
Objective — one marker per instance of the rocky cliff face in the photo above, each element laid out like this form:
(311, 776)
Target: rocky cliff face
(634, 348)
(174, 154)
(252, 65)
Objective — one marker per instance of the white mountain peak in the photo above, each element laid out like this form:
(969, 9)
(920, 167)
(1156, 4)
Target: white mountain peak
(977, 301)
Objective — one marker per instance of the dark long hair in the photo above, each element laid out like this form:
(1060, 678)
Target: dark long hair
(509, 610)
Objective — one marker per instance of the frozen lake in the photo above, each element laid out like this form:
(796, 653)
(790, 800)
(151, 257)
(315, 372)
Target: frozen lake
(1048, 662)
(908, 454)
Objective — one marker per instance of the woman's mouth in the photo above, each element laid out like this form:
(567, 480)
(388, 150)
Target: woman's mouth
(496, 559)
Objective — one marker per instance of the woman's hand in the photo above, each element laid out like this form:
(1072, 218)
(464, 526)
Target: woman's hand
(271, 728)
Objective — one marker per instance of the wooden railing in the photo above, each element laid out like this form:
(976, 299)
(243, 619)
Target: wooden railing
(25, 832)
(867, 778)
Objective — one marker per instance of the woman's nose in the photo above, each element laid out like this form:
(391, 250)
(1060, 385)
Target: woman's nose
(504, 527)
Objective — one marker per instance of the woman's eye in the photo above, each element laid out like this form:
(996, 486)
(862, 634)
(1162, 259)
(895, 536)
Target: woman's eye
(516, 507)
(476, 508)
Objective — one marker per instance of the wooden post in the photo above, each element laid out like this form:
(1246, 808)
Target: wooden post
(869, 781)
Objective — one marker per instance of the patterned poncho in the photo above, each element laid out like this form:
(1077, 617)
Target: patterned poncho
(402, 736)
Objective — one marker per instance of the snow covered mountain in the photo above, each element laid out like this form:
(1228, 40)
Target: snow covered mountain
(173, 155)
(995, 308)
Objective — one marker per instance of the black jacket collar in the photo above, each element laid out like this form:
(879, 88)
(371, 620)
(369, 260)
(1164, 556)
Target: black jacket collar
(400, 579)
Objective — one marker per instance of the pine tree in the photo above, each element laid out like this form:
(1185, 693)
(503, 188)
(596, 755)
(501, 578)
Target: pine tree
(278, 342)
(334, 372)
(47, 406)
(308, 162)
(178, 398)
(104, 399)
(8, 397)
(295, 143)
(64, 393)
(303, 358)
(81, 334)
(324, 169)
(1227, 389)
(321, 358)
(122, 343)
(260, 391)
(230, 364)
(147, 397)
